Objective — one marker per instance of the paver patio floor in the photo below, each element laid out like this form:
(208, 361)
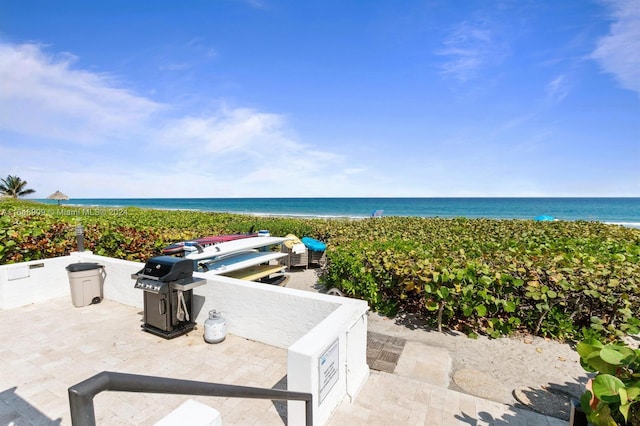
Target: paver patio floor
(47, 347)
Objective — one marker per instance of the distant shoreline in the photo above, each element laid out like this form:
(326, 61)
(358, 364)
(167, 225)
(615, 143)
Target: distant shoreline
(614, 210)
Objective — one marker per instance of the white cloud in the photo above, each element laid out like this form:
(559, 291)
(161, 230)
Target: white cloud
(45, 96)
(198, 44)
(618, 52)
(230, 130)
(355, 170)
(469, 48)
(558, 88)
(102, 140)
(251, 151)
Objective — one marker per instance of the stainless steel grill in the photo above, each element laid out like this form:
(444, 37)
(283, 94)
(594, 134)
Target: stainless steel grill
(168, 285)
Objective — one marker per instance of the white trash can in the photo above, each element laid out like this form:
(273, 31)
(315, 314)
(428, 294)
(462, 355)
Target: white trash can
(87, 283)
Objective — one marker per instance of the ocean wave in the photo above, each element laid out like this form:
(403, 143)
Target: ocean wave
(301, 215)
(635, 225)
(615, 211)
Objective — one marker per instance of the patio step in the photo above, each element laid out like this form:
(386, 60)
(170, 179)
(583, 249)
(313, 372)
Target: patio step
(405, 358)
(425, 363)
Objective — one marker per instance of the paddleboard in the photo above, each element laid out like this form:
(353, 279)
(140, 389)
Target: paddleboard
(235, 246)
(255, 272)
(203, 242)
(240, 261)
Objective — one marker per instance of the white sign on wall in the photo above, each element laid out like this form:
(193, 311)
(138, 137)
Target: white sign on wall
(328, 369)
(17, 272)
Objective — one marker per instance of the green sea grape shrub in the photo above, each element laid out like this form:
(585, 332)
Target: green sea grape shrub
(613, 396)
(564, 280)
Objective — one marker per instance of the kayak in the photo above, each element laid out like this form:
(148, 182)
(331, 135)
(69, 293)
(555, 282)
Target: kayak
(313, 245)
(177, 248)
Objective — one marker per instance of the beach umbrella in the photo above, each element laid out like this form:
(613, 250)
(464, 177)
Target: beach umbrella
(58, 196)
(544, 218)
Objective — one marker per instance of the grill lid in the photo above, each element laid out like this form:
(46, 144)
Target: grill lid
(167, 268)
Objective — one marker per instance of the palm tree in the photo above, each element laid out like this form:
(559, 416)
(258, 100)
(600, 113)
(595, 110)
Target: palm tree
(13, 186)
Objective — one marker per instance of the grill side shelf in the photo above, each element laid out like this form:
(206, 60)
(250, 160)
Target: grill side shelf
(188, 283)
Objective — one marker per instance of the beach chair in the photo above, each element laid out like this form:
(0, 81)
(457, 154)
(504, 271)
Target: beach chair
(316, 251)
(316, 259)
(297, 253)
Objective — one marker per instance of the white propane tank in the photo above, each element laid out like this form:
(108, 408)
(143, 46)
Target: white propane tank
(215, 327)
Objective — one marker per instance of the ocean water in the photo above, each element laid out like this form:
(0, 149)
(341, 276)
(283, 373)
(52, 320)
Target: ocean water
(624, 211)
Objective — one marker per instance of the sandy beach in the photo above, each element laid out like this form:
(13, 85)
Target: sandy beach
(540, 374)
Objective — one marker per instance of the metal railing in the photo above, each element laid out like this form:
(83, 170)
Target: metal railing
(81, 394)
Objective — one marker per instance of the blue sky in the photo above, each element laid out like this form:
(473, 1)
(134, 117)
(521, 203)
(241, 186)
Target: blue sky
(266, 98)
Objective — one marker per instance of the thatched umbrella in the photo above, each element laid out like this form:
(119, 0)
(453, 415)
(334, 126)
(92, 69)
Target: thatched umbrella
(58, 196)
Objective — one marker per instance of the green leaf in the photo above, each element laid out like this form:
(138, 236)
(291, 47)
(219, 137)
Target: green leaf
(510, 306)
(481, 310)
(623, 396)
(624, 410)
(597, 364)
(585, 401)
(587, 346)
(606, 388)
(602, 416)
(431, 305)
(484, 280)
(442, 292)
(633, 393)
(617, 355)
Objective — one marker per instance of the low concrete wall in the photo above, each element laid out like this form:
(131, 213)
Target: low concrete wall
(330, 362)
(41, 280)
(273, 315)
(34, 282)
(118, 284)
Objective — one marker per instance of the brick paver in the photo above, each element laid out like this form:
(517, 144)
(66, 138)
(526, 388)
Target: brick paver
(47, 347)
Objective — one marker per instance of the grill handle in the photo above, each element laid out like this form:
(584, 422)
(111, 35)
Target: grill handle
(162, 306)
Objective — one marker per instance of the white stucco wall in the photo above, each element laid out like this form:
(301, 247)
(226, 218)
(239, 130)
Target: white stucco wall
(347, 325)
(273, 315)
(34, 282)
(118, 284)
(28, 282)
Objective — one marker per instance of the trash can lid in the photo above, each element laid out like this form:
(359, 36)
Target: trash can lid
(83, 266)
